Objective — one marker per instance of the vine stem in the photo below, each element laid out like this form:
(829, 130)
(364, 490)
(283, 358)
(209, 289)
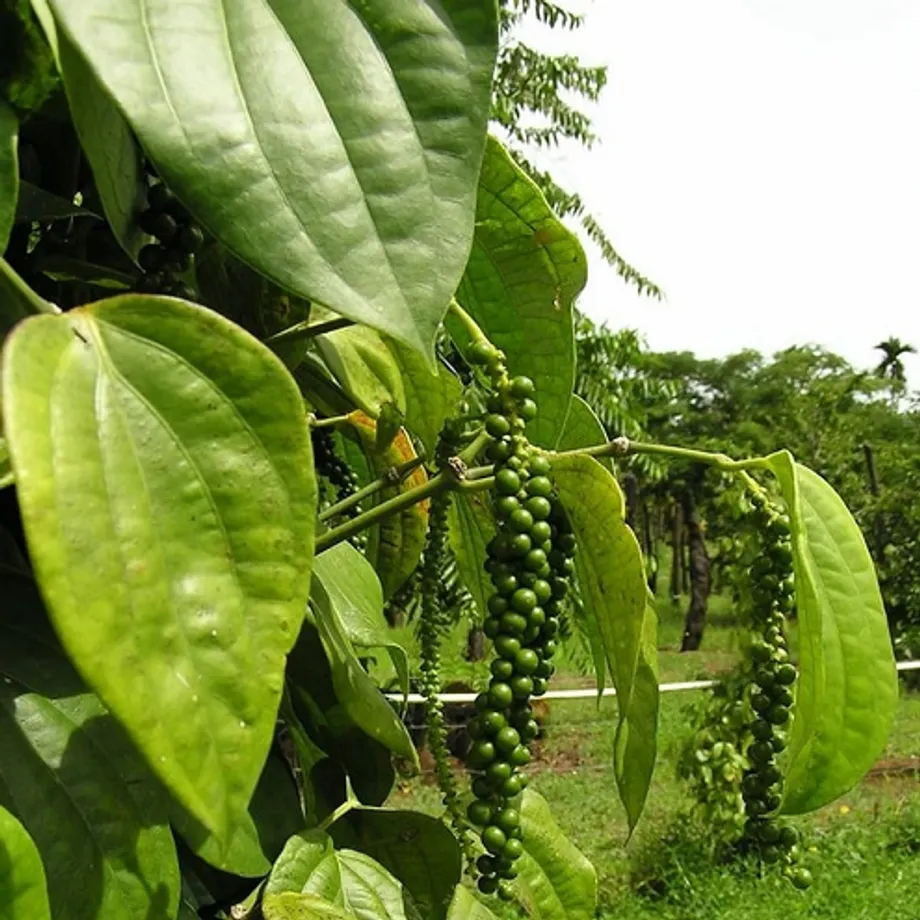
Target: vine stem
(338, 812)
(392, 477)
(447, 479)
(331, 422)
(306, 330)
(471, 326)
(480, 478)
(21, 291)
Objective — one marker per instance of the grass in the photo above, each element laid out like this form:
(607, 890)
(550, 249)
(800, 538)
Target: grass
(862, 849)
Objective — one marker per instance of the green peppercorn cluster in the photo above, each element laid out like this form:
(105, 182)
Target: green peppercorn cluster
(712, 762)
(340, 477)
(772, 595)
(178, 239)
(529, 561)
(433, 622)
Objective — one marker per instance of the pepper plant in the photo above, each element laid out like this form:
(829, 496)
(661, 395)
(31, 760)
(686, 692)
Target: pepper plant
(286, 331)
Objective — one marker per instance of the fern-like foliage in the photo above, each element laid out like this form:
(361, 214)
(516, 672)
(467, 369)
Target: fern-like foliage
(614, 378)
(531, 104)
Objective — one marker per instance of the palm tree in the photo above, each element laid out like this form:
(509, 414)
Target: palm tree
(891, 367)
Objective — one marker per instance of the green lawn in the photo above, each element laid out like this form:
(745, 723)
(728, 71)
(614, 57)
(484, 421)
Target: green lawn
(862, 849)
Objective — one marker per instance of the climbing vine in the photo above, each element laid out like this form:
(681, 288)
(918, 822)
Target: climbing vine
(287, 337)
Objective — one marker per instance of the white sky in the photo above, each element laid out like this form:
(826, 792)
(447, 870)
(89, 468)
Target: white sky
(758, 160)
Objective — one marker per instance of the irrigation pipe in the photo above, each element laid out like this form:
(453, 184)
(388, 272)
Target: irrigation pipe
(590, 693)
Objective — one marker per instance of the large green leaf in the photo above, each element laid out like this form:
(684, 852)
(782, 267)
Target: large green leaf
(611, 579)
(377, 371)
(466, 906)
(419, 850)
(583, 429)
(108, 143)
(395, 544)
(70, 774)
(472, 526)
(22, 877)
(330, 725)
(310, 864)
(354, 590)
(524, 272)
(6, 470)
(847, 691)
(35, 204)
(234, 290)
(361, 362)
(163, 453)
(276, 123)
(356, 692)
(9, 171)
(291, 906)
(556, 880)
(431, 398)
(258, 836)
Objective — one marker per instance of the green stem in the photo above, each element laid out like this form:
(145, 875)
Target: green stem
(392, 477)
(330, 422)
(721, 461)
(471, 326)
(22, 295)
(444, 480)
(338, 812)
(306, 330)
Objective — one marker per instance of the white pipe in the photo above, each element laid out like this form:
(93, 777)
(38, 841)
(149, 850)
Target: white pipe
(588, 693)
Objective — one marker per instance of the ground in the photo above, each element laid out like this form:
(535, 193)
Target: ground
(862, 849)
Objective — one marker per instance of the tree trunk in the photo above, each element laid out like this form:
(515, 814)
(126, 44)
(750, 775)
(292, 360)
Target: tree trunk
(475, 644)
(685, 562)
(879, 535)
(631, 493)
(699, 577)
(648, 547)
(677, 552)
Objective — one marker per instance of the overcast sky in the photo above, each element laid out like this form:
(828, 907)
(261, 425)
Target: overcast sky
(760, 161)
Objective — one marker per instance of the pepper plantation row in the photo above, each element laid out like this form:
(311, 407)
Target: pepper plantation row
(288, 344)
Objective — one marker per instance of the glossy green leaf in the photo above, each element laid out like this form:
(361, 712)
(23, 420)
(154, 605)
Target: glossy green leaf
(23, 890)
(275, 123)
(362, 701)
(466, 906)
(114, 412)
(290, 906)
(556, 880)
(354, 590)
(329, 725)
(471, 527)
(420, 852)
(109, 145)
(583, 429)
(71, 776)
(234, 290)
(35, 204)
(524, 273)
(9, 171)
(6, 470)
(361, 362)
(395, 544)
(322, 779)
(310, 864)
(611, 579)
(847, 691)
(430, 398)
(258, 836)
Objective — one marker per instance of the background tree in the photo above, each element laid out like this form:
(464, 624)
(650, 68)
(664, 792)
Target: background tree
(535, 102)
